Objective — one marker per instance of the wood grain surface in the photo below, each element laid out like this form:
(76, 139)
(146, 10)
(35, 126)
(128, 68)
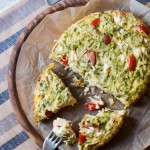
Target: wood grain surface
(31, 131)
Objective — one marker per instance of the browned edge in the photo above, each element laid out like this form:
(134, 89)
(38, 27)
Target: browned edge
(11, 78)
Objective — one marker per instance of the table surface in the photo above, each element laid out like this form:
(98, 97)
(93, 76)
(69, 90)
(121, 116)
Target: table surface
(12, 23)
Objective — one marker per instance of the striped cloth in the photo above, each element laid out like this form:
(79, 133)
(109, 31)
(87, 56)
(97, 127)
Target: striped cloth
(12, 23)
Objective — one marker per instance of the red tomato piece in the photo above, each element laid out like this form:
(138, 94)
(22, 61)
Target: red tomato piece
(64, 60)
(81, 138)
(48, 113)
(95, 126)
(89, 106)
(95, 22)
(90, 56)
(107, 39)
(132, 62)
(144, 28)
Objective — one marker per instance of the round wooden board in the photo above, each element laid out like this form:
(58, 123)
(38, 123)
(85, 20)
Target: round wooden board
(31, 131)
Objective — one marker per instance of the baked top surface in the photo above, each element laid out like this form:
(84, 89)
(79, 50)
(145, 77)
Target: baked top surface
(97, 130)
(110, 50)
(50, 95)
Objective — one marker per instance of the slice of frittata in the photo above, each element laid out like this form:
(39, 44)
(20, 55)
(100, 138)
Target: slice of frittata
(63, 128)
(50, 95)
(97, 130)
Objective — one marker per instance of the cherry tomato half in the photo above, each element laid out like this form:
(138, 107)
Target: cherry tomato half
(107, 39)
(89, 106)
(95, 126)
(91, 57)
(81, 138)
(144, 28)
(48, 113)
(132, 62)
(64, 60)
(95, 22)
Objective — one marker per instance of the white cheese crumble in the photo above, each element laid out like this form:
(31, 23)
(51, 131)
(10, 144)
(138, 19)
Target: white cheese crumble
(137, 52)
(73, 55)
(122, 58)
(143, 49)
(60, 48)
(118, 20)
(106, 68)
(121, 44)
(145, 40)
(121, 31)
(86, 90)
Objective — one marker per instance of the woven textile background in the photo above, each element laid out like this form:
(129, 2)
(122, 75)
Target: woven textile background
(12, 23)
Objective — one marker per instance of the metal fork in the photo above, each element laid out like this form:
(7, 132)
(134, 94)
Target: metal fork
(51, 142)
(51, 2)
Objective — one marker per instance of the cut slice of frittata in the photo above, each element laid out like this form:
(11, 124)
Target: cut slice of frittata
(50, 95)
(97, 130)
(63, 128)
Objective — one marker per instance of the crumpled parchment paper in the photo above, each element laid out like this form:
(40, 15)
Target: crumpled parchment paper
(135, 133)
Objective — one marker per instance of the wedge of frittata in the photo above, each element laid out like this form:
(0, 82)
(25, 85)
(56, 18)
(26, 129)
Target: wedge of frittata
(111, 50)
(95, 131)
(50, 95)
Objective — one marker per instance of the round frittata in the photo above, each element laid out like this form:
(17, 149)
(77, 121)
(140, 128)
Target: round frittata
(110, 50)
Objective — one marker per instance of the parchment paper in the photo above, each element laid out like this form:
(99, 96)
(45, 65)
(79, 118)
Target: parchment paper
(135, 133)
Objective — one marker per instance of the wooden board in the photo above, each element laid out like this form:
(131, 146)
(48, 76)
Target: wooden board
(31, 131)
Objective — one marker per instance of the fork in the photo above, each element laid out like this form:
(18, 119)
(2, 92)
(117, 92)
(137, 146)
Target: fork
(51, 142)
(51, 2)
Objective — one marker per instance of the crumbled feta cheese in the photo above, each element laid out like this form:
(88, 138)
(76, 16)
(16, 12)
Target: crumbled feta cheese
(122, 58)
(145, 40)
(137, 52)
(106, 68)
(143, 49)
(121, 31)
(91, 128)
(73, 55)
(86, 90)
(117, 20)
(121, 44)
(60, 48)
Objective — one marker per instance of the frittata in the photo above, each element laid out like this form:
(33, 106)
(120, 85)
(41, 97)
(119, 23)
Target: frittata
(63, 128)
(97, 130)
(50, 95)
(110, 50)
